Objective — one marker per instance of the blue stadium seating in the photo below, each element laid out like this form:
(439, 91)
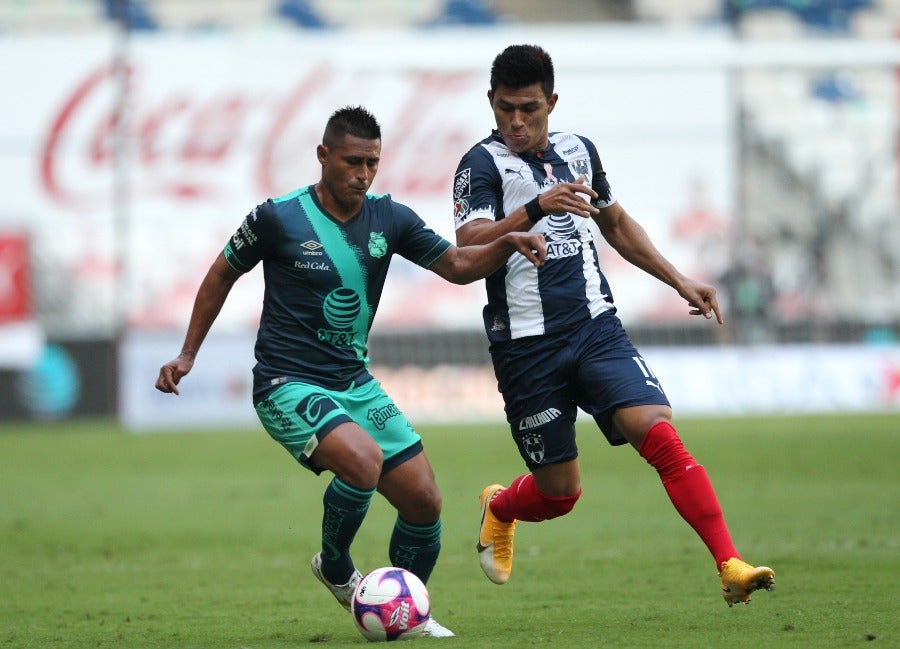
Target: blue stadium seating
(301, 13)
(465, 12)
(824, 15)
(132, 14)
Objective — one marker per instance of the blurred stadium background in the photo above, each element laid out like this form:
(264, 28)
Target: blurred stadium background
(756, 140)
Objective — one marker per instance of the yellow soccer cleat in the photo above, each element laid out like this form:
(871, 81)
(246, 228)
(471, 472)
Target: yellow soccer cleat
(495, 540)
(739, 579)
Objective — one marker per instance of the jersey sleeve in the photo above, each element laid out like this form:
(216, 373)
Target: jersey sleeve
(476, 188)
(599, 183)
(416, 241)
(253, 239)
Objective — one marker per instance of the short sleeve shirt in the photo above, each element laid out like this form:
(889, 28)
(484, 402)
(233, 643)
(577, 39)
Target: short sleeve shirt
(492, 181)
(323, 283)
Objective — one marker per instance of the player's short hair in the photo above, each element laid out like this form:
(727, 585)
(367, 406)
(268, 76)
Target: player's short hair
(350, 120)
(522, 65)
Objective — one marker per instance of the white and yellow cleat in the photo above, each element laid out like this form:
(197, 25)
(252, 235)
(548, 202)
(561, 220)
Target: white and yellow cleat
(740, 579)
(495, 540)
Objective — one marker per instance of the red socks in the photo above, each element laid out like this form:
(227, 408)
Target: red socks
(689, 489)
(684, 479)
(523, 501)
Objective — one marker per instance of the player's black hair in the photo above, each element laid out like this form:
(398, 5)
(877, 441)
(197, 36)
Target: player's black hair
(350, 120)
(522, 65)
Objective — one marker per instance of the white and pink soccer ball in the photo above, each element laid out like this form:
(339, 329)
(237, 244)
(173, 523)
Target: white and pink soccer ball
(391, 604)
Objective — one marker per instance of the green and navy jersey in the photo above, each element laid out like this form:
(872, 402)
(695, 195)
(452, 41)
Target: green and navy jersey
(523, 300)
(323, 282)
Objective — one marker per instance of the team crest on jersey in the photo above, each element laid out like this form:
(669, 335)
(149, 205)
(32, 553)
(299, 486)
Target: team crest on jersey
(579, 168)
(377, 245)
(462, 184)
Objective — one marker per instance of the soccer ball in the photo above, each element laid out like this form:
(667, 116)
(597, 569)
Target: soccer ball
(391, 604)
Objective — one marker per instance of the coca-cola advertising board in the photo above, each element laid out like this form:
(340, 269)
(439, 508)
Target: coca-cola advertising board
(15, 278)
(130, 164)
(20, 336)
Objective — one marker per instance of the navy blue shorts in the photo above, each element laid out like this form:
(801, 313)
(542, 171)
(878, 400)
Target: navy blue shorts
(545, 379)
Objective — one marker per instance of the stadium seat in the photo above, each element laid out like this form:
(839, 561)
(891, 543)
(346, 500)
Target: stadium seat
(133, 14)
(834, 16)
(301, 13)
(213, 15)
(465, 12)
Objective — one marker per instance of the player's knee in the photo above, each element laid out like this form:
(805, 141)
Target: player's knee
(421, 505)
(361, 467)
(555, 506)
(430, 508)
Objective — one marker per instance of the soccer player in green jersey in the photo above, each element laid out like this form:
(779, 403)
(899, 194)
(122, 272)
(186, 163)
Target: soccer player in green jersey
(325, 251)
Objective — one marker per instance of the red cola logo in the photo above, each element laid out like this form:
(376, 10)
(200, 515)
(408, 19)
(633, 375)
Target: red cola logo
(212, 144)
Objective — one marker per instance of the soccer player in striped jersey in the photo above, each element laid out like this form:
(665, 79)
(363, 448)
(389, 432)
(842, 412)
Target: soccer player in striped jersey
(555, 340)
(325, 251)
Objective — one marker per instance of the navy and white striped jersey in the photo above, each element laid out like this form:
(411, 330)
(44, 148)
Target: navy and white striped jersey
(491, 182)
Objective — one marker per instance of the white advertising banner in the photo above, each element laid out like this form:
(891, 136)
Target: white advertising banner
(779, 379)
(218, 393)
(703, 381)
(130, 175)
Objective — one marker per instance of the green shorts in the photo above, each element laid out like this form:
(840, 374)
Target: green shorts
(299, 415)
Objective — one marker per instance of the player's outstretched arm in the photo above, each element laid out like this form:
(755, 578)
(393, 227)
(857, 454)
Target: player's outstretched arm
(211, 295)
(465, 264)
(632, 242)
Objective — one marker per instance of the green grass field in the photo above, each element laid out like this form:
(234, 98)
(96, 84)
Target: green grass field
(204, 539)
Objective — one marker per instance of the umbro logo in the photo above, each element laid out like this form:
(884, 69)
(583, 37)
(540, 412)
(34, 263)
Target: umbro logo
(312, 248)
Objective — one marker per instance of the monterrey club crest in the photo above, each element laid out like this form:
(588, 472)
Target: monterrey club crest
(533, 444)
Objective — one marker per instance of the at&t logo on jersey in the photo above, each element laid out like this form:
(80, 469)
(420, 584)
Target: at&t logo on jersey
(341, 308)
(562, 236)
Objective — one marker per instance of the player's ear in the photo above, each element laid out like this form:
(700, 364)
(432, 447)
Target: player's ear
(490, 97)
(551, 102)
(322, 153)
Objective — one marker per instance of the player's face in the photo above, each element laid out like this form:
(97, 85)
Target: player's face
(348, 169)
(522, 116)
